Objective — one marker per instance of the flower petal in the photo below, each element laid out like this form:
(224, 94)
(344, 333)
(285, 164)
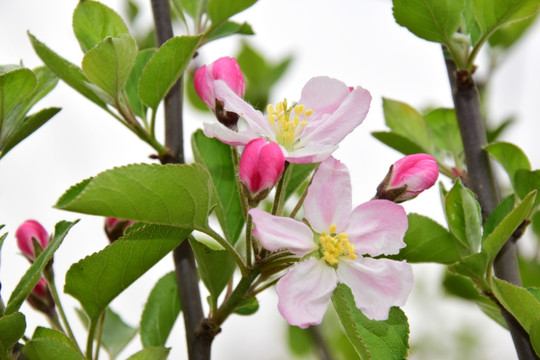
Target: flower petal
(276, 232)
(376, 284)
(305, 291)
(313, 153)
(377, 227)
(256, 121)
(328, 201)
(323, 95)
(228, 136)
(333, 128)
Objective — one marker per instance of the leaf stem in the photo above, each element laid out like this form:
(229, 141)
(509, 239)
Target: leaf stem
(237, 296)
(249, 245)
(56, 298)
(99, 334)
(279, 190)
(90, 339)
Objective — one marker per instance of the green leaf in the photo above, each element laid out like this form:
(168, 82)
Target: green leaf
(132, 85)
(216, 268)
(498, 214)
(46, 333)
(427, 241)
(407, 122)
(191, 7)
(492, 14)
(97, 279)
(297, 174)
(219, 11)
(509, 34)
(473, 266)
(116, 333)
(506, 227)
(11, 330)
(460, 286)
(248, 306)
(398, 142)
(526, 181)
(50, 349)
(29, 125)
(464, 216)
(229, 28)
(443, 125)
(432, 20)
(529, 270)
(535, 336)
(46, 81)
(94, 21)
(33, 274)
(109, 64)
(165, 67)
(151, 353)
(377, 340)
(511, 157)
(15, 86)
(300, 341)
(178, 195)
(69, 73)
(217, 158)
(518, 301)
(160, 312)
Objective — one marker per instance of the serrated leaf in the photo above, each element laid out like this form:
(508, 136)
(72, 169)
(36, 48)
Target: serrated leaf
(33, 274)
(29, 125)
(427, 241)
(473, 266)
(506, 227)
(398, 142)
(178, 195)
(69, 73)
(443, 125)
(219, 11)
(165, 67)
(46, 81)
(151, 353)
(518, 301)
(46, 333)
(132, 85)
(50, 349)
(11, 330)
(15, 86)
(216, 268)
(97, 279)
(229, 28)
(94, 21)
(492, 14)
(511, 157)
(407, 122)
(464, 216)
(432, 20)
(217, 158)
(108, 65)
(526, 181)
(496, 216)
(160, 312)
(377, 340)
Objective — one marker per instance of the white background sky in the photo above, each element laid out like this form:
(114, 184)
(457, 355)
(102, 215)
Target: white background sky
(357, 42)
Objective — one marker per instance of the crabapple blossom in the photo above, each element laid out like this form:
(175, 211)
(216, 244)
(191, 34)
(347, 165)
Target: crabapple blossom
(307, 132)
(261, 164)
(28, 230)
(335, 245)
(225, 69)
(408, 177)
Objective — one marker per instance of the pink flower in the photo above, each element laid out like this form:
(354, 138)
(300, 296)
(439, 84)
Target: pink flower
(224, 69)
(28, 230)
(307, 132)
(40, 290)
(331, 249)
(408, 177)
(261, 164)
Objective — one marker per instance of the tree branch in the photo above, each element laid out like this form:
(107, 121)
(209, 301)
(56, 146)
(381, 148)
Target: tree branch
(481, 181)
(199, 346)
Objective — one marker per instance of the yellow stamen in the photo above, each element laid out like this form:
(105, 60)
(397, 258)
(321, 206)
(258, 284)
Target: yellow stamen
(287, 126)
(334, 245)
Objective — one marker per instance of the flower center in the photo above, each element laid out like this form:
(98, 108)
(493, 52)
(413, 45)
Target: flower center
(287, 122)
(335, 245)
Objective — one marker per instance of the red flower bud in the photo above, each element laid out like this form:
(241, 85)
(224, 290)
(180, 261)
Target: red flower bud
(408, 177)
(261, 164)
(28, 230)
(115, 228)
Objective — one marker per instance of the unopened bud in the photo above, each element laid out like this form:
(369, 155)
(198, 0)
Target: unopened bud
(28, 230)
(408, 177)
(115, 228)
(225, 69)
(261, 164)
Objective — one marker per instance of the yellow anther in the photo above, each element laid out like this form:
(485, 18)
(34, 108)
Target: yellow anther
(335, 245)
(308, 113)
(299, 109)
(287, 122)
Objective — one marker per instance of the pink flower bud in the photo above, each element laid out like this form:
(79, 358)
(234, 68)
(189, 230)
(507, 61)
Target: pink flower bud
(408, 177)
(261, 165)
(40, 290)
(28, 230)
(115, 228)
(225, 69)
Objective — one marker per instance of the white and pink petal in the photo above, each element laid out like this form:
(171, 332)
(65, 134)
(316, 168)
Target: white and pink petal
(377, 227)
(276, 232)
(305, 291)
(376, 284)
